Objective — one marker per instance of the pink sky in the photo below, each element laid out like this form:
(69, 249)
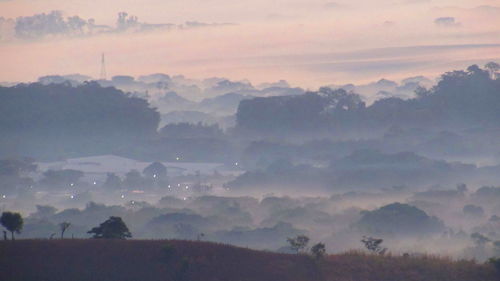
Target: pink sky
(306, 42)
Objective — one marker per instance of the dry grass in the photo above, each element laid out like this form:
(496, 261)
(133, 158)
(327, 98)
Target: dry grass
(143, 260)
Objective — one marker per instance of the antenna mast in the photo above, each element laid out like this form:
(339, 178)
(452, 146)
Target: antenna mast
(103, 68)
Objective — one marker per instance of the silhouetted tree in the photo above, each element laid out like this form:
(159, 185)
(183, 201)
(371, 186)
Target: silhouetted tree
(318, 250)
(64, 226)
(374, 245)
(13, 222)
(298, 243)
(113, 228)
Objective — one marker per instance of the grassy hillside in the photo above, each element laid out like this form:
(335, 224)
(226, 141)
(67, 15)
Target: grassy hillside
(142, 260)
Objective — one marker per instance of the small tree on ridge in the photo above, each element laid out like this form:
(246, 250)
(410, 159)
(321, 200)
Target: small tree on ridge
(13, 222)
(298, 243)
(112, 228)
(64, 226)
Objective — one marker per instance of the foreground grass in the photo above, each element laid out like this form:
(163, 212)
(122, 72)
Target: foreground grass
(143, 260)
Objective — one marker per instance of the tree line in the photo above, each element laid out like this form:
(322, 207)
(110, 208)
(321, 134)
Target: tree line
(460, 99)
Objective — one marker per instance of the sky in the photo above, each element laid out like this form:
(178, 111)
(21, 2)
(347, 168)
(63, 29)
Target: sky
(309, 43)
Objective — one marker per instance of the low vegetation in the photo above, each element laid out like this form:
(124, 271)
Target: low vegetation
(123, 260)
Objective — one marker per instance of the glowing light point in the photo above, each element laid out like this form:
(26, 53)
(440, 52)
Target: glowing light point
(236, 164)
(95, 182)
(72, 197)
(123, 196)
(154, 176)
(177, 158)
(71, 184)
(187, 187)
(3, 196)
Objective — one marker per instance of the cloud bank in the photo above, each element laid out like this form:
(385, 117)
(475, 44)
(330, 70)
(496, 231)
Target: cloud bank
(55, 25)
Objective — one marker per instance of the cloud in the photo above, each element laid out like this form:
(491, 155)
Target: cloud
(196, 24)
(369, 66)
(54, 24)
(416, 1)
(373, 54)
(332, 5)
(389, 23)
(362, 64)
(447, 22)
(493, 10)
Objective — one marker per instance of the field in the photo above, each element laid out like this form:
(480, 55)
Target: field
(148, 260)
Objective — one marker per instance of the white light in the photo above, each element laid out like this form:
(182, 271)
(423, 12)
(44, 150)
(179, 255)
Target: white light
(184, 198)
(71, 184)
(133, 202)
(95, 183)
(178, 185)
(169, 186)
(187, 187)
(154, 176)
(123, 196)
(177, 158)
(236, 164)
(72, 196)
(3, 196)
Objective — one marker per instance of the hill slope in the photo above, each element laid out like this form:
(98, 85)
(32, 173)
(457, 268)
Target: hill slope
(119, 260)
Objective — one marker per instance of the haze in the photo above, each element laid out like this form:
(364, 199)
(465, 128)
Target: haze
(371, 126)
(309, 43)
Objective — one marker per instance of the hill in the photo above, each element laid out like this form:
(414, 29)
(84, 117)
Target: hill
(120, 260)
